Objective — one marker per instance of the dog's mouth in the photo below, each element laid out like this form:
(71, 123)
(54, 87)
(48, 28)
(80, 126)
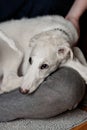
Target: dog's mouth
(1, 78)
(19, 72)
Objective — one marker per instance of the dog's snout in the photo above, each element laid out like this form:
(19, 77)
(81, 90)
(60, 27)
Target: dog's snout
(23, 91)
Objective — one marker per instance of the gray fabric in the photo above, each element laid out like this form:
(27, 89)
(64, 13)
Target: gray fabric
(59, 92)
(63, 121)
(84, 101)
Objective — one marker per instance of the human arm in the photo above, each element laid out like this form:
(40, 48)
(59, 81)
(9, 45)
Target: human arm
(77, 9)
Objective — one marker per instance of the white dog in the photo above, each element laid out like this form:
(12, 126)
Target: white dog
(37, 47)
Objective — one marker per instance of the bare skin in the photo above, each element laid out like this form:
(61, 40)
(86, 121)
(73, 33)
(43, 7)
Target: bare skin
(77, 9)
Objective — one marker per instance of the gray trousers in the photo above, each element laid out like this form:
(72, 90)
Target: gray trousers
(60, 92)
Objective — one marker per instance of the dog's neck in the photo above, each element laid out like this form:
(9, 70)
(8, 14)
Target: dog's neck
(61, 30)
(67, 33)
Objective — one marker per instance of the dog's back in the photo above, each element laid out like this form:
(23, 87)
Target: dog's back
(22, 30)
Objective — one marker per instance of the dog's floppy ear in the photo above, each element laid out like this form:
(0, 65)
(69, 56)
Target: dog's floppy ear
(64, 52)
(8, 41)
(33, 40)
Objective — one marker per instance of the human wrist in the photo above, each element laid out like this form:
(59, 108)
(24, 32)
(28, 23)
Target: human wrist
(75, 23)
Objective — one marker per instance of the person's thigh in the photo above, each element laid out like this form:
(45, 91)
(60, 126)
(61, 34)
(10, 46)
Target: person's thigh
(59, 92)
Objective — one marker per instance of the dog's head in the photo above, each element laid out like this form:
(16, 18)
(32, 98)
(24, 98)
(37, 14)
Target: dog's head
(48, 51)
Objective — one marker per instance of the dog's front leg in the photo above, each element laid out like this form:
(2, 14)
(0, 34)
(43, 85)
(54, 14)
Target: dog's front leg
(78, 66)
(10, 82)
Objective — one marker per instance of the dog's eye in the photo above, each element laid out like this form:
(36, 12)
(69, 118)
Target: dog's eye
(60, 51)
(44, 66)
(30, 60)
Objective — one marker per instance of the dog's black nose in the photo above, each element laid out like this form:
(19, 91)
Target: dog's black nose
(23, 91)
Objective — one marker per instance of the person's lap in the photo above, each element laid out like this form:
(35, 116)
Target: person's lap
(59, 92)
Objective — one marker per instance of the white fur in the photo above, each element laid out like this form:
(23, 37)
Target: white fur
(45, 40)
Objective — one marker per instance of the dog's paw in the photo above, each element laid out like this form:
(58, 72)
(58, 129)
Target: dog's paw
(3, 90)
